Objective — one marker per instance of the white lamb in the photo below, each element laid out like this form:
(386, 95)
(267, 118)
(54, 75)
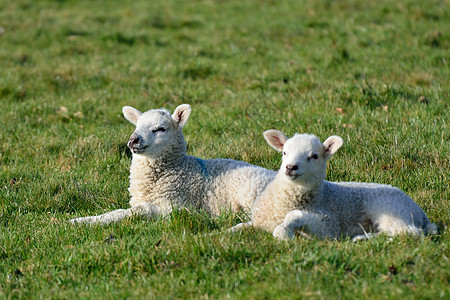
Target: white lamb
(163, 177)
(300, 201)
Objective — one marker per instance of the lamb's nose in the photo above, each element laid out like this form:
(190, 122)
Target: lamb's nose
(291, 167)
(133, 140)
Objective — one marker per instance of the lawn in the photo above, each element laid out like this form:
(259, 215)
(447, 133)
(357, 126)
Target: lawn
(375, 73)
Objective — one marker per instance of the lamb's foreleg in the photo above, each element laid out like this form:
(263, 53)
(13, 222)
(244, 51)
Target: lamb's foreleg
(149, 211)
(305, 223)
(110, 217)
(239, 227)
(146, 210)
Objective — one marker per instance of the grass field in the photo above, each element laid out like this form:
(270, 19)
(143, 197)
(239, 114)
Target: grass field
(373, 72)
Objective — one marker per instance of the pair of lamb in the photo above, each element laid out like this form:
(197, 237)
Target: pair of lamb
(296, 200)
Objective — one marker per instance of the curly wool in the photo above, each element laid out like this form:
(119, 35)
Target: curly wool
(278, 200)
(163, 176)
(299, 199)
(213, 185)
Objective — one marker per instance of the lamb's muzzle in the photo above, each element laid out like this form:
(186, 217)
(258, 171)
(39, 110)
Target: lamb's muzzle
(290, 170)
(133, 140)
(135, 144)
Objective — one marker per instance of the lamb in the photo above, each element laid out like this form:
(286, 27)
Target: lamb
(163, 176)
(300, 201)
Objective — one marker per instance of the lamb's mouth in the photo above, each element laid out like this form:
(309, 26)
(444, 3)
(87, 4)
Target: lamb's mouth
(138, 150)
(294, 176)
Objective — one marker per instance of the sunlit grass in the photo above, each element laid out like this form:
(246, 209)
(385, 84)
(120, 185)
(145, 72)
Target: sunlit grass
(374, 72)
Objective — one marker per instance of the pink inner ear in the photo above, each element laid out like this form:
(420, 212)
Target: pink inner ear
(180, 114)
(277, 141)
(329, 147)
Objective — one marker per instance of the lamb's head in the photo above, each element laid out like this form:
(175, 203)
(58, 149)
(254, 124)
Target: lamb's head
(304, 156)
(157, 131)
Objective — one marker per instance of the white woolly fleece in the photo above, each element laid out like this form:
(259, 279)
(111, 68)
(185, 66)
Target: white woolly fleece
(163, 177)
(300, 200)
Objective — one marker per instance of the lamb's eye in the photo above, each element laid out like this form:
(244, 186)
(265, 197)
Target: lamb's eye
(315, 156)
(162, 129)
(284, 152)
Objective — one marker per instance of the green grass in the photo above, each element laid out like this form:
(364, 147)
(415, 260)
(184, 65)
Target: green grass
(374, 72)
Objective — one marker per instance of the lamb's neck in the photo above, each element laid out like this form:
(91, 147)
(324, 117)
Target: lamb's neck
(145, 175)
(155, 167)
(301, 194)
(170, 158)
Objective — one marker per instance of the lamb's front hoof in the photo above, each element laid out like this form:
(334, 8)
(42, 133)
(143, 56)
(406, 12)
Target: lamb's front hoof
(239, 227)
(362, 237)
(282, 232)
(83, 220)
(77, 221)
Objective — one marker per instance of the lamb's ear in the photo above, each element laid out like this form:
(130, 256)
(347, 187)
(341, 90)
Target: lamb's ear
(275, 139)
(131, 114)
(331, 145)
(181, 114)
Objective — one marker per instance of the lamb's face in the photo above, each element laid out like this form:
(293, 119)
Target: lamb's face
(304, 156)
(154, 133)
(157, 132)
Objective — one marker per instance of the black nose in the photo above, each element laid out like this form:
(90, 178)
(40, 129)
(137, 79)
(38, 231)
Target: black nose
(292, 167)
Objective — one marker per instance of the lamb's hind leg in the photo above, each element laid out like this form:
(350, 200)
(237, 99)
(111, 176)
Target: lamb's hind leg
(146, 210)
(305, 223)
(389, 224)
(392, 224)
